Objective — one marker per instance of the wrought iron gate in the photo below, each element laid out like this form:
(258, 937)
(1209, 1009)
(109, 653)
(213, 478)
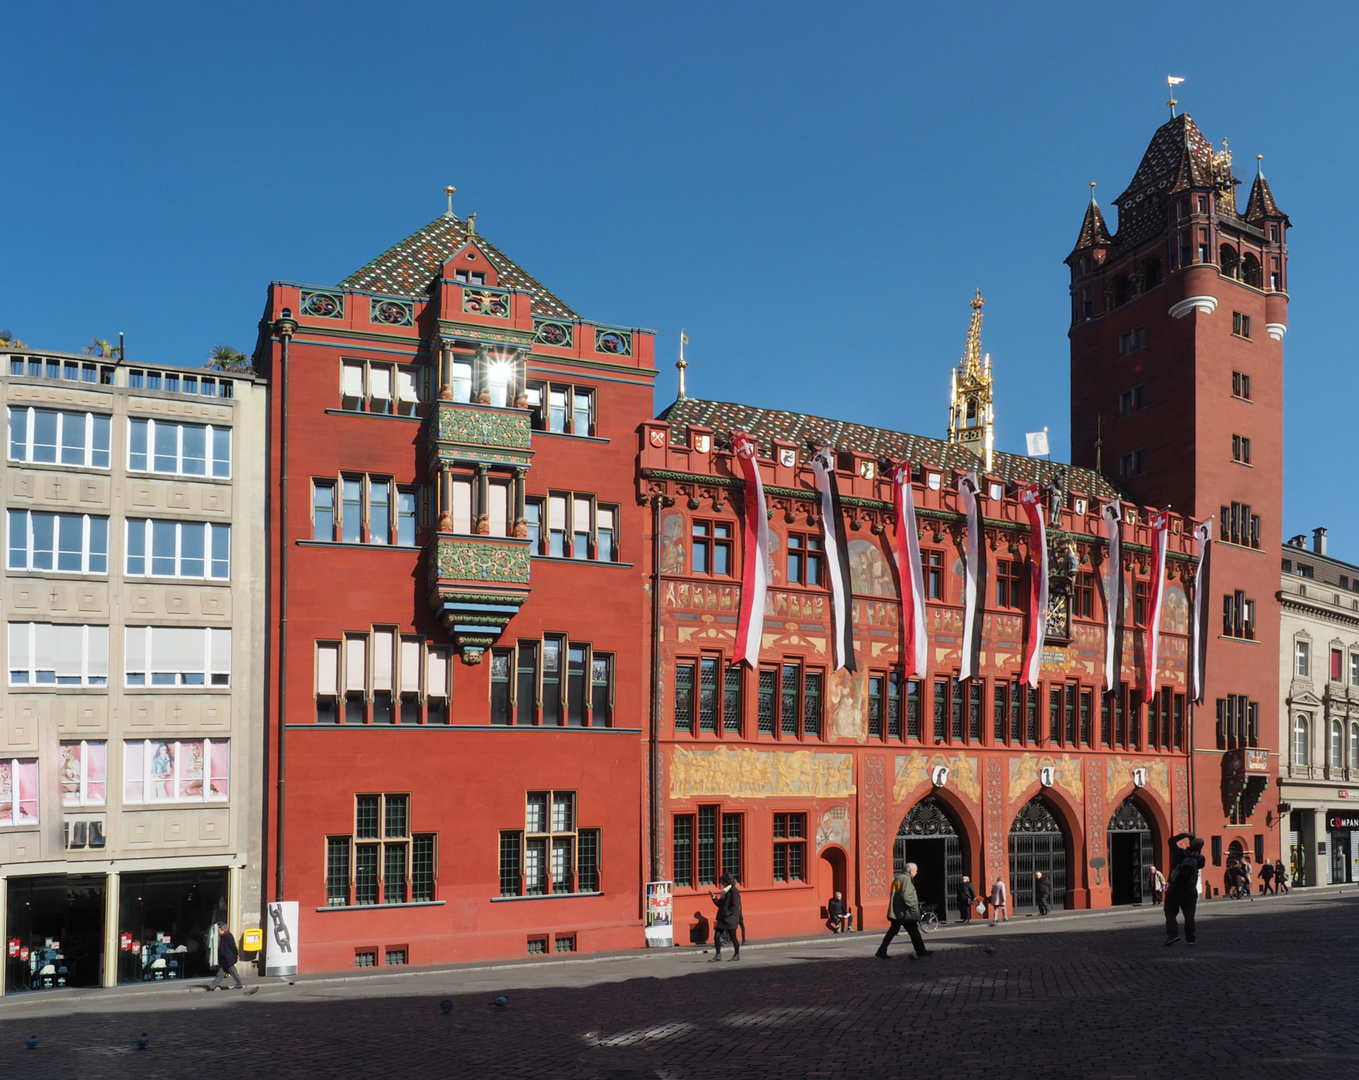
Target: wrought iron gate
(927, 821)
(1036, 844)
(1128, 877)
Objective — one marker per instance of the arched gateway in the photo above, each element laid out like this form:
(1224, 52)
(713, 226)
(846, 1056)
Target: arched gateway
(1036, 844)
(928, 838)
(1131, 853)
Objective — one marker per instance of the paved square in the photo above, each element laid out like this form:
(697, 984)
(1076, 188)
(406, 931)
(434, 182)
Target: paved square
(1270, 990)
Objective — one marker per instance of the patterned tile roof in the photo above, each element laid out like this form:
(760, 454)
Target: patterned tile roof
(765, 425)
(1093, 230)
(407, 268)
(1177, 157)
(1261, 203)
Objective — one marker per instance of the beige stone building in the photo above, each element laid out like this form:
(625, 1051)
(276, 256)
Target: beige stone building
(1319, 770)
(133, 592)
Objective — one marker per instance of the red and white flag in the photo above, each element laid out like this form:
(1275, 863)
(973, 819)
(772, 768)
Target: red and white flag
(754, 554)
(914, 643)
(974, 591)
(1113, 594)
(1031, 500)
(1160, 532)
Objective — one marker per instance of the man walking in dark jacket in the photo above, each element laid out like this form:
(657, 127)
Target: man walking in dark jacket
(728, 903)
(966, 896)
(227, 955)
(1182, 889)
(903, 912)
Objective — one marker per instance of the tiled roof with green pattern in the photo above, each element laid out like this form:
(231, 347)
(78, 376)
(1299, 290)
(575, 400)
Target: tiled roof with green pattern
(765, 425)
(407, 268)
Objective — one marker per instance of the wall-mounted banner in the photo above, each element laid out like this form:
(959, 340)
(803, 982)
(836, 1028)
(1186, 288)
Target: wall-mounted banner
(660, 914)
(280, 939)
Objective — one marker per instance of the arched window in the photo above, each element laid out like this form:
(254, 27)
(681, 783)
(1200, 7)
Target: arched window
(1250, 270)
(1229, 260)
(1354, 746)
(1151, 273)
(1301, 742)
(1337, 759)
(1121, 291)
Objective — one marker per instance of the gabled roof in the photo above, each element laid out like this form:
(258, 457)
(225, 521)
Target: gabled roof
(765, 425)
(1178, 157)
(1094, 233)
(408, 268)
(1261, 203)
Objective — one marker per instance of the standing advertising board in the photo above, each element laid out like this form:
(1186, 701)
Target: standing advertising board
(660, 914)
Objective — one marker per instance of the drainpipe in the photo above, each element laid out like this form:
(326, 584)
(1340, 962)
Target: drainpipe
(284, 328)
(653, 757)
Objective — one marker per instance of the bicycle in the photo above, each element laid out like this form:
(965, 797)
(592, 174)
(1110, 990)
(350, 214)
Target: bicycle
(929, 921)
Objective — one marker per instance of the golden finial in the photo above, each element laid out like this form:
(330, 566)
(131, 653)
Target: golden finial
(971, 414)
(449, 190)
(971, 361)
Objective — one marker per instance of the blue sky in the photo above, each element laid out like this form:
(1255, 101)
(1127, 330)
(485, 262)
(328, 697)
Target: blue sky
(812, 190)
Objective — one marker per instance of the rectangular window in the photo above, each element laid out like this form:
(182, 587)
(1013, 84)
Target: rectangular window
(731, 845)
(1055, 714)
(1302, 664)
(1241, 325)
(45, 654)
(913, 709)
(976, 690)
(707, 845)
(1010, 581)
(587, 860)
(84, 773)
(405, 516)
(379, 512)
(788, 703)
(601, 688)
(1106, 729)
(712, 544)
(934, 573)
(731, 700)
(502, 660)
(1031, 694)
(19, 782)
(323, 510)
(769, 678)
(894, 705)
(178, 549)
(790, 847)
(707, 693)
(352, 520)
(1087, 709)
(533, 523)
(940, 710)
(684, 697)
(577, 675)
(1071, 696)
(1141, 598)
(606, 533)
(804, 559)
(683, 861)
(556, 526)
(156, 771)
(956, 696)
(811, 705)
(66, 543)
(875, 687)
(1241, 449)
(1337, 665)
(1238, 616)
(526, 682)
(545, 857)
(1132, 464)
(175, 449)
(511, 861)
(1016, 712)
(552, 680)
(177, 656)
(1354, 669)
(1001, 706)
(337, 871)
(1241, 385)
(581, 516)
(55, 437)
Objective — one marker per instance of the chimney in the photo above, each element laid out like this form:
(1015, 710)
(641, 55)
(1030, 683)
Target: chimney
(1299, 541)
(1319, 541)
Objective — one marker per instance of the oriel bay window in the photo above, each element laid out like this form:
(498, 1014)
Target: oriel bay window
(382, 861)
(486, 377)
(486, 502)
(707, 845)
(551, 682)
(551, 855)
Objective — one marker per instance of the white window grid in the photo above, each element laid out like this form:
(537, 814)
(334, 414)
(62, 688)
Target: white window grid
(79, 439)
(19, 792)
(59, 553)
(169, 771)
(177, 656)
(158, 446)
(146, 535)
(84, 773)
(50, 654)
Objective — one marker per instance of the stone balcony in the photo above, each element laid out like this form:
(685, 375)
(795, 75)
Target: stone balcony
(480, 434)
(476, 585)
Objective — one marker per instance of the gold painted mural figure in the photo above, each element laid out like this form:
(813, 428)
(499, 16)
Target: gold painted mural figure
(754, 774)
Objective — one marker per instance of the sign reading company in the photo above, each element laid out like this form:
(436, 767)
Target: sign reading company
(1342, 821)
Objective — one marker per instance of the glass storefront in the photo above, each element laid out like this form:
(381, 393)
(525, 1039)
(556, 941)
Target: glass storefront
(165, 924)
(54, 932)
(1343, 835)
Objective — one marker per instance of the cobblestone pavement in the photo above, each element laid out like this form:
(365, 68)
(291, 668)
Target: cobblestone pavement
(1268, 991)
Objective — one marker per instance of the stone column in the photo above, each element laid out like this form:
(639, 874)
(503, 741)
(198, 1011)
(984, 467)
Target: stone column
(112, 902)
(520, 517)
(482, 525)
(445, 371)
(481, 385)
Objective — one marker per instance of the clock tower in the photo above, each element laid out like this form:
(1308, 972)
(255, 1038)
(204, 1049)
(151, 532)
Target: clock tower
(1177, 328)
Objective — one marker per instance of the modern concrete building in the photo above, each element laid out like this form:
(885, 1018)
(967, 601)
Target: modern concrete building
(1319, 713)
(131, 715)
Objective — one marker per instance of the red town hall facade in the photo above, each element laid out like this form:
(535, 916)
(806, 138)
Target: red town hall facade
(504, 602)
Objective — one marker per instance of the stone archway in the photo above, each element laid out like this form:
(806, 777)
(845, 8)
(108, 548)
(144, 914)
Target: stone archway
(930, 838)
(1037, 843)
(1131, 853)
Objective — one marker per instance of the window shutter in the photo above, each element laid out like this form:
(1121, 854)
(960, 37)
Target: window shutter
(18, 646)
(134, 649)
(437, 675)
(45, 647)
(382, 659)
(580, 516)
(604, 518)
(380, 381)
(410, 665)
(356, 663)
(406, 386)
(98, 651)
(353, 380)
(327, 668)
(556, 512)
(219, 660)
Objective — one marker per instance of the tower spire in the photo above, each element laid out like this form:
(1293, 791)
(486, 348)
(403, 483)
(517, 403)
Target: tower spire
(681, 363)
(971, 415)
(449, 192)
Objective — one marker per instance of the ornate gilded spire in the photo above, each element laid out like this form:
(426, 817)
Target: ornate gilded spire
(970, 414)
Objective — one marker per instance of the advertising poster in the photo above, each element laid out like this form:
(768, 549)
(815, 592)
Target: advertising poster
(280, 939)
(660, 913)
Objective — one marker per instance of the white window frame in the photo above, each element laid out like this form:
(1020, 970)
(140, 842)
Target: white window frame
(86, 554)
(1302, 659)
(76, 772)
(1302, 740)
(150, 749)
(147, 526)
(210, 448)
(64, 417)
(15, 768)
(25, 634)
(214, 674)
